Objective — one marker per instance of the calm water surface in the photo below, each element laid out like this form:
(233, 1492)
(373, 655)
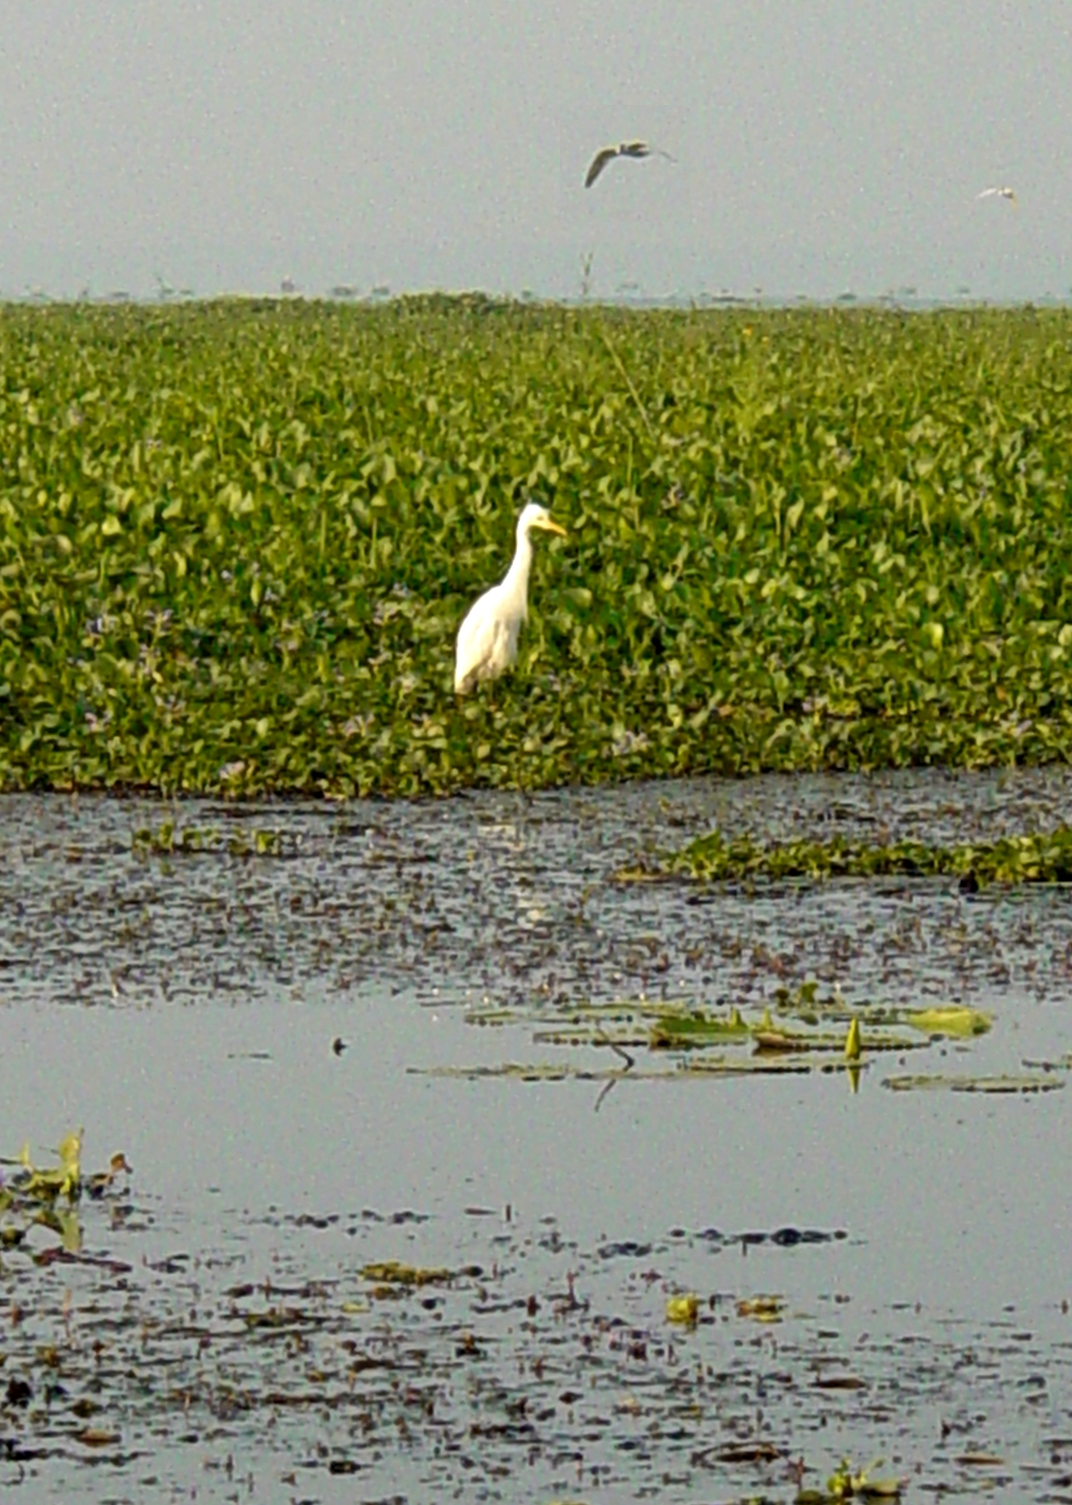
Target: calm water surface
(217, 1331)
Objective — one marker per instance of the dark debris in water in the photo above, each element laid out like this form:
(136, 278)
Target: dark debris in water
(537, 1371)
(781, 1238)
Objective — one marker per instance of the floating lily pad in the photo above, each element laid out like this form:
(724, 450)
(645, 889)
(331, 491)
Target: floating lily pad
(677, 1030)
(945, 1082)
(771, 1044)
(762, 1308)
(961, 1023)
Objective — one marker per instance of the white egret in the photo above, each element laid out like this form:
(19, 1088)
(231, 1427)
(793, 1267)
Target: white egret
(487, 639)
(1002, 193)
(634, 149)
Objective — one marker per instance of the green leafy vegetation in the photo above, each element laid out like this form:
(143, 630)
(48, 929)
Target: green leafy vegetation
(236, 541)
(168, 840)
(1044, 857)
(48, 1197)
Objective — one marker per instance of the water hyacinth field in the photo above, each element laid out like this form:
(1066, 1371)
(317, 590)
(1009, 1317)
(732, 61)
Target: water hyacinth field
(236, 541)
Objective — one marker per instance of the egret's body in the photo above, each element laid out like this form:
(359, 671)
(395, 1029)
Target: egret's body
(487, 639)
(1003, 192)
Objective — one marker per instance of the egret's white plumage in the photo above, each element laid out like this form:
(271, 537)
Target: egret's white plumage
(1002, 193)
(487, 639)
(607, 154)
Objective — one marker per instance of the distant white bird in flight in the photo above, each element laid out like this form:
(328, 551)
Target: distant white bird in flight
(1001, 193)
(623, 149)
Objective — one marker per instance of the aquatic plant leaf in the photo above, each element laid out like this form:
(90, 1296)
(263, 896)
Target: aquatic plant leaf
(847, 1484)
(36, 1194)
(392, 1272)
(945, 1082)
(683, 1309)
(675, 1030)
(759, 1451)
(955, 1020)
(97, 1437)
(764, 1063)
(771, 1040)
(594, 1035)
(852, 1041)
(536, 1071)
(761, 1308)
(70, 1231)
(65, 1180)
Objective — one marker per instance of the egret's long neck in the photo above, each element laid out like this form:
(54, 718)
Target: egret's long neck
(517, 577)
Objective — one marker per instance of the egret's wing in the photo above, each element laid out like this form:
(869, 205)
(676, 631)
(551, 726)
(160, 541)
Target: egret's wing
(598, 163)
(987, 193)
(476, 639)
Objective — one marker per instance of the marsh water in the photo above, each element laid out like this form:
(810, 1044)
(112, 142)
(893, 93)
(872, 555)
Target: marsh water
(280, 1032)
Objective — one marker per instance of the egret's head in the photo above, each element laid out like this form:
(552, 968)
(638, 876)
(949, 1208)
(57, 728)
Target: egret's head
(535, 516)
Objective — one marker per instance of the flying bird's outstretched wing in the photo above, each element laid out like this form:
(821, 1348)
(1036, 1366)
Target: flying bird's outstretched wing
(598, 163)
(634, 149)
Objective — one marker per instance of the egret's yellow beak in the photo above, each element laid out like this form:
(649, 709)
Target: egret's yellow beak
(550, 527)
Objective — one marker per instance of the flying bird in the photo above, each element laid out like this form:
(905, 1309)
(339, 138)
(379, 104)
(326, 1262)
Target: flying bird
(487, 639)
(1001, 193)
(634, 149)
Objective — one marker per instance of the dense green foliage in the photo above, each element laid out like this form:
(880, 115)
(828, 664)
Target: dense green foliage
(1038, 858)
(236, 541)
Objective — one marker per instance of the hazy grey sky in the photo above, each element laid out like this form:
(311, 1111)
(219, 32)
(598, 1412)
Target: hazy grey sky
(821, 146)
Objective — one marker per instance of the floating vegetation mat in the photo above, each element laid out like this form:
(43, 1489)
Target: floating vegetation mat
(237, 540)
(800, 1032)
(530, 1369)
(170, 839)
(1045, 857)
